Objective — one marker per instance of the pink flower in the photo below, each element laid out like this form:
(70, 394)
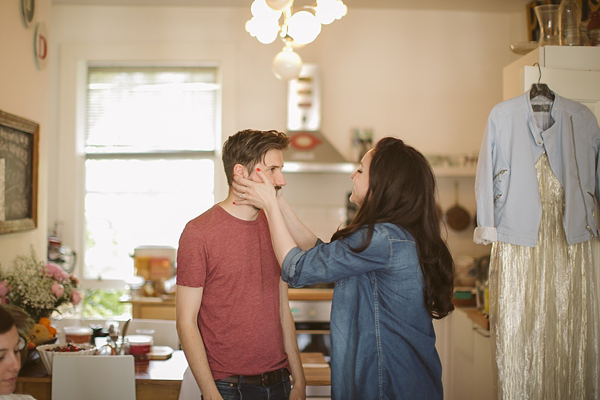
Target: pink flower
(56, 272)
(4, 289)
(58, 290)
(75, 297)
(4, 300)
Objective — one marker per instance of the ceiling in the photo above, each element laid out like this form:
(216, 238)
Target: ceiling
(472, 5)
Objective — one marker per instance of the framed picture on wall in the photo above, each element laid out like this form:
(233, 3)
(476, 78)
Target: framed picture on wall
(19, 153)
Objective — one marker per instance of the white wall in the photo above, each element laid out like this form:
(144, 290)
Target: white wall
(429, 77)
(25, 92)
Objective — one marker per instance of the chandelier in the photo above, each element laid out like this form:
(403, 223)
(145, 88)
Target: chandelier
(272, 18)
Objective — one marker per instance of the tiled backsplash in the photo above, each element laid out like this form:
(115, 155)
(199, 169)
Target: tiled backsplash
(319, 200)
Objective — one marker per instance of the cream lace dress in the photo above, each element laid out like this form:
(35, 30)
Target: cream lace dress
(544, 311)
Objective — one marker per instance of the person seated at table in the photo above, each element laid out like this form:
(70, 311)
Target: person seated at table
(14, 322)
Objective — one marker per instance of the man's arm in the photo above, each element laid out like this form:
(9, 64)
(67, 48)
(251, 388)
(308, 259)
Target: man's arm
(290, 343)
(187, 306)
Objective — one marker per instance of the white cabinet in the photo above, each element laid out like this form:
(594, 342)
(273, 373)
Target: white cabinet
(483, 382)
(469, 365)
(572, 72)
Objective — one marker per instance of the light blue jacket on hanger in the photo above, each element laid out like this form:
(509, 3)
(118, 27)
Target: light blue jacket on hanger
(506, 187)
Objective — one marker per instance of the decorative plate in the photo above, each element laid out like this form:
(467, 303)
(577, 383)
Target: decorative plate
(523, 47)
(27, 11)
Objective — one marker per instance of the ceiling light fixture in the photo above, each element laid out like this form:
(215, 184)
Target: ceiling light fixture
(295, 29)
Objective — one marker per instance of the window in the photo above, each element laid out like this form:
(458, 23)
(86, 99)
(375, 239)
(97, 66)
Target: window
(149, 160)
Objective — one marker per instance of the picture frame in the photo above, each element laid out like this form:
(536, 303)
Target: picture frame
(19, 158)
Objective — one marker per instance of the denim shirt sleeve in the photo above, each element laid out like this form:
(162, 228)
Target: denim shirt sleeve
(486, 232)
(331, 262)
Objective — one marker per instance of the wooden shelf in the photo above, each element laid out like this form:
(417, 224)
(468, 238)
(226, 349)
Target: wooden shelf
(477, 316)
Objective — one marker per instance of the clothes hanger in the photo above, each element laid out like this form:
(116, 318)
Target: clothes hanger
(540, 89)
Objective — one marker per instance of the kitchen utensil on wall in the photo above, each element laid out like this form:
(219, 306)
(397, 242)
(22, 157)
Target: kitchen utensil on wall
(458, 218)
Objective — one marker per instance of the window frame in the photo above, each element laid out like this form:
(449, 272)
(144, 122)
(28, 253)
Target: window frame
(66, 201)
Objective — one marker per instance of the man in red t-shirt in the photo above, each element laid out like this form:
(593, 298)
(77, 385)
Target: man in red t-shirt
(233, 315)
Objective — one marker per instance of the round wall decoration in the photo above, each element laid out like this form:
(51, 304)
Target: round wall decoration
(40, 44)
(27, 11)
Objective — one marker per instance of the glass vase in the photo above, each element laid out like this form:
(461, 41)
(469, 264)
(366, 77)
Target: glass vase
(547, 16)
(569, 19)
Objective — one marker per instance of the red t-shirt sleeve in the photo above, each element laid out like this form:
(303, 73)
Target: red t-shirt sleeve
(191, 257)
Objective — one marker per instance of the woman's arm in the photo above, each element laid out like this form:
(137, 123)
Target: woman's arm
(262, 195)
(304, 237)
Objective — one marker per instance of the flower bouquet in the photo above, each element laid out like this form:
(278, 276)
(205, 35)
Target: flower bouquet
(40, 289)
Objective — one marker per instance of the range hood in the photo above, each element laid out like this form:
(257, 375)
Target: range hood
(309, 150)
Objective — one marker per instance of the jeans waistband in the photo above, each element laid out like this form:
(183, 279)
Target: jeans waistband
(266, 379)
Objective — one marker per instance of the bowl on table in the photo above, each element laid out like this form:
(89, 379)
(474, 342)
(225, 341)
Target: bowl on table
(48, 351)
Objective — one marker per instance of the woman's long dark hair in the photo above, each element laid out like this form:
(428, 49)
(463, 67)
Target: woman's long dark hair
(402, 191)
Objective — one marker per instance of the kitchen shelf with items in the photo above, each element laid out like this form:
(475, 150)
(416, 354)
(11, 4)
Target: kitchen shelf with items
(453, 166)
(152, 289)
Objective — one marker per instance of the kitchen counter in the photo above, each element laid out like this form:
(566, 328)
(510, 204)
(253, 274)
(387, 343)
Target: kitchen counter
(478, 317)
(164, 307)
(310, 294)
(159, 380)
(152, 307)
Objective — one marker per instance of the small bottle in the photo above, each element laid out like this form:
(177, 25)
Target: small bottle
(569, 19)
(486, 297)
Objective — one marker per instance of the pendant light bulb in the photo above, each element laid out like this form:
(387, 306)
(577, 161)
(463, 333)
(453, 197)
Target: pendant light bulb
(279, 5)
(303, 27)
(260, 9)
(325, 11)
(287, 64)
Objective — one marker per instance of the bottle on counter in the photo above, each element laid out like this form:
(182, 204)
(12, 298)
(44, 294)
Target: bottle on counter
(593, 29)
(569, 19)
(486, 297)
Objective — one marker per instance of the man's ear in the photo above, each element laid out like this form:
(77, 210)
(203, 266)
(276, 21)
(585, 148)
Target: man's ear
(240, 170)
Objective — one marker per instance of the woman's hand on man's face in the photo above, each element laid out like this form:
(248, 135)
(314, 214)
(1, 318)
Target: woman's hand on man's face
(259, 193)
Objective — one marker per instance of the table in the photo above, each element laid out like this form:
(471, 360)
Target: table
(159, 380)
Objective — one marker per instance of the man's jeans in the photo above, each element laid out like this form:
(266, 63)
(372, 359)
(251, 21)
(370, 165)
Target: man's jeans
(276, 391)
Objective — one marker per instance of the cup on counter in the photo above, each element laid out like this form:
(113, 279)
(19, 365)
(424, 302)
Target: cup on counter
(139, 346)
(145, 331)
(78, 334)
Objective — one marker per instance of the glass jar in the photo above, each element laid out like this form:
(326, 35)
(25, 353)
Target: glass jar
(547, 16)
(569, 19)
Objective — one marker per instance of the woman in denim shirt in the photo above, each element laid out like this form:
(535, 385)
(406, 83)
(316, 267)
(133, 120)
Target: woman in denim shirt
(392, 269)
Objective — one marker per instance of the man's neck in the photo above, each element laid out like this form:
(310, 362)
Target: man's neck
(243, 212)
